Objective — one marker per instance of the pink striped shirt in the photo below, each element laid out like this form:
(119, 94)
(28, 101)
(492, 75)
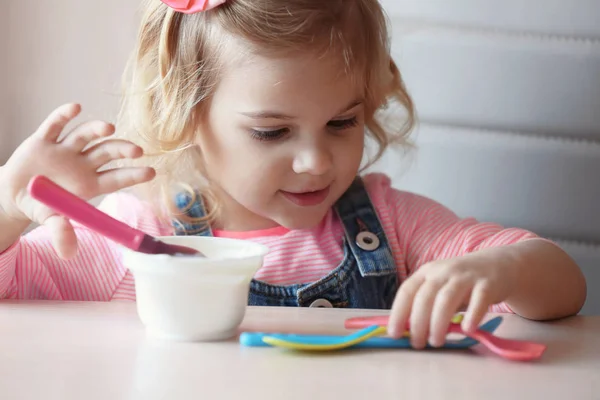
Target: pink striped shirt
(418, 229)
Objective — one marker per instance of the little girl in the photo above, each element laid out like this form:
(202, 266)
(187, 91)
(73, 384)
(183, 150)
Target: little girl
(249, 119)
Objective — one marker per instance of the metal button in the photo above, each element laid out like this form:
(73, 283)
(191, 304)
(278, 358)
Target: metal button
(321, 303)
(367, 241)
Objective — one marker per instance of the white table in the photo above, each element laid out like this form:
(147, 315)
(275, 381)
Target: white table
(88, 351)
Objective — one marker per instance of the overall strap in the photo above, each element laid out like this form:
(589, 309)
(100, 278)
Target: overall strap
(364, 231)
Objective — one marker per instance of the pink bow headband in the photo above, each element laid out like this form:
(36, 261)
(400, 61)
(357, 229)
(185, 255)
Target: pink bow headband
(192, 6)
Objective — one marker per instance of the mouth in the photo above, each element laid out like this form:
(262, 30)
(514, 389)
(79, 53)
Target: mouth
(307, 198)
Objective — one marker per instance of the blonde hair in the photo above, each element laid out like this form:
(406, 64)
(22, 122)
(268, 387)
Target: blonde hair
(175, 68)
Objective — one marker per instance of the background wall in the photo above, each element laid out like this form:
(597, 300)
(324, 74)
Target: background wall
(61, 51)
(508, 94)
(4, 96)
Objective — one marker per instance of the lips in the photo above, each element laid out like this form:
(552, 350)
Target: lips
(308, 198)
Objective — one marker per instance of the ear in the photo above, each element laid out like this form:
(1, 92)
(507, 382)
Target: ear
(200, 131)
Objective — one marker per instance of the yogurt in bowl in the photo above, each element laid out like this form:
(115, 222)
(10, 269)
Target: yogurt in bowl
(187, 298)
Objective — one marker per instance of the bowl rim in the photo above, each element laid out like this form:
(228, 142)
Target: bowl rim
(262, 250)
(203, 262)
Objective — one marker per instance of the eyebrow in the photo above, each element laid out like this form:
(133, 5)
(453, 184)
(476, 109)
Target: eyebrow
(277, 115)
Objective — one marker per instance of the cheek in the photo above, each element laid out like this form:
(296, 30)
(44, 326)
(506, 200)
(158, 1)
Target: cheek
(349, 155)
(252, 179)
(243, 169)
(262, 168)
(221, 153)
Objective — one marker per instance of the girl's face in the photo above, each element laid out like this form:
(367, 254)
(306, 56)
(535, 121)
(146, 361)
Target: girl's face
(284, 139)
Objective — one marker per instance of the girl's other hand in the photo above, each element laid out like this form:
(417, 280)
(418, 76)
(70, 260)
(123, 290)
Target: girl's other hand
(436, 291)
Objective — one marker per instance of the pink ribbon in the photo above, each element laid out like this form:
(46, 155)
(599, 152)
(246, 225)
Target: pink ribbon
(193, 6)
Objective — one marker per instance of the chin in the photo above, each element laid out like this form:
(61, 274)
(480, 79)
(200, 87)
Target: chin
(301, 220)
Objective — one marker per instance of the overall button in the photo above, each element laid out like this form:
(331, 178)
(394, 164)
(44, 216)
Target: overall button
(322, 303)
(367, 241)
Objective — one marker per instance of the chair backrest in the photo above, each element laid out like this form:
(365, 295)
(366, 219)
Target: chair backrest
(508, 98)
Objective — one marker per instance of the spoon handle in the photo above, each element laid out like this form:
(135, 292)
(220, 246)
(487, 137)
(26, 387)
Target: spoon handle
(75, 208)
(518, 350)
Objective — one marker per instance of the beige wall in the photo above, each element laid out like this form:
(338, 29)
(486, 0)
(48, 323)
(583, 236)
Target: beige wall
(4, 147)
(60, 51)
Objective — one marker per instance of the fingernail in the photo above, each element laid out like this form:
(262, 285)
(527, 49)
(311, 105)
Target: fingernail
(434, 342)
(392, 331)
(467, 326)
(417, 344)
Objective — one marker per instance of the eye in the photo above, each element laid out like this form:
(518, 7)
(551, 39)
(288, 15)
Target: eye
(267, 136)
(341, 124)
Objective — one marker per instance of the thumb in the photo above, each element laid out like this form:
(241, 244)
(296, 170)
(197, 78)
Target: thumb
(64, 239)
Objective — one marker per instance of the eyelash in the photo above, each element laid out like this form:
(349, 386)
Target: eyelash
(266, 136)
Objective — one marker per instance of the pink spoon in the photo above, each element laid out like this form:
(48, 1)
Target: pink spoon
(518, 350)
(66, 203)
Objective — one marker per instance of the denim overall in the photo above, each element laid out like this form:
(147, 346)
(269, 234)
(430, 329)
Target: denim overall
(366, 278)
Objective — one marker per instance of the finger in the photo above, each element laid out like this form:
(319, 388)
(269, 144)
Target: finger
(478, 306)
(82, 135)
(109, 150)
(54, 124)
(447, 302)
(64, 239)
(116, 179)
(402, 305)
(420, 315)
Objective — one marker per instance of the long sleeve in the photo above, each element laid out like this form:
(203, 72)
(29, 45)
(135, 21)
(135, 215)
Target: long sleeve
(31, 269)
(437, 233)
(422, 230)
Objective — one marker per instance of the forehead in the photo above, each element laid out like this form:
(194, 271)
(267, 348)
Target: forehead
(280, 80)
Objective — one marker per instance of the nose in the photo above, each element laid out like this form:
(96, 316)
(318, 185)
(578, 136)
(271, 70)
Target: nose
(313, 160)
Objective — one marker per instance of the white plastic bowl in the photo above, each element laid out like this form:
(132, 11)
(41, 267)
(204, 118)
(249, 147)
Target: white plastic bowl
(195, 298)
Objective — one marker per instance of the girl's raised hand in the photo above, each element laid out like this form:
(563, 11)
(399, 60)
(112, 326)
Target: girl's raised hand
(74, 161)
